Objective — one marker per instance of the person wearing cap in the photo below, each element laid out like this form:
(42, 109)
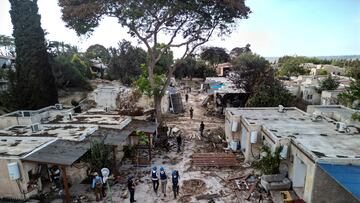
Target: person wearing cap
(131, 187)
(155, 179)
(163, 180)
(96, 185)
(175, 182)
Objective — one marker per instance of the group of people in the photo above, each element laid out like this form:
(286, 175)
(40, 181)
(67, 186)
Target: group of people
(98, 185)
(155, 177)
(158, 178)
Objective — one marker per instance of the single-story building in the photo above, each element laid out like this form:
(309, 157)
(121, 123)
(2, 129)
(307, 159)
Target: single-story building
(306, 140)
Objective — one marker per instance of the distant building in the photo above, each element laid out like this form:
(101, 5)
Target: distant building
(223, 69)
(319, 155)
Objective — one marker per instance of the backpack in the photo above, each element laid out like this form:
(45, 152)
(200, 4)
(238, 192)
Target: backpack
(154, 175)
(98, 182)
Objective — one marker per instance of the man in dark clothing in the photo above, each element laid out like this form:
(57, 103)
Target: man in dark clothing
(186, 97)
(191, 112)
(131, 187)
(175, 182)
(202, 127)
(179, 141)
(155, 179)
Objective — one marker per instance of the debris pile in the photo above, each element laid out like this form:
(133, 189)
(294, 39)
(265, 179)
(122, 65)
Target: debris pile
(193, 186)
(127, 103)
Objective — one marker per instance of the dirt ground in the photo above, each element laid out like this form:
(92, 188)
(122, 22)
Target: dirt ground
(193, 181)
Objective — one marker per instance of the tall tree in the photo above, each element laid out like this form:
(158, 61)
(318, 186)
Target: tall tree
(187, 23)
(214, 55)
(33, 85)
(250, 71)
(125, 62)
(329, 83)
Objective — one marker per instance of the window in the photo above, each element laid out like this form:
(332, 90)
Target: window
(309, 97)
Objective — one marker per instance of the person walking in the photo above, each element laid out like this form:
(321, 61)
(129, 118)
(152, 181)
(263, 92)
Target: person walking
(163, 180)
(155, 179)
(175, 182)
(97, 184)
(202, 127)
(131, 188)
(178, 141)
(191, 112)
(186, 97)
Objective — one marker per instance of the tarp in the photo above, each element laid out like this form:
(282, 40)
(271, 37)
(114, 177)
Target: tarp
(348, 176)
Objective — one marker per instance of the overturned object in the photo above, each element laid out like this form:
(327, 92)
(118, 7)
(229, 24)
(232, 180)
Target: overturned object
(275, 182)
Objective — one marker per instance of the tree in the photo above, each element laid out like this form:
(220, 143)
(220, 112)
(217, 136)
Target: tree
(237, 51)
(67, 74)
(250, 71)
(98, 51)
(185, 68)
(291, 68)
(56, 48)
(351, 97)
(214, 55)
(125, 62)
(329, 83)
(270, 93)
(8, 45)
(187, 24)
(33, 85)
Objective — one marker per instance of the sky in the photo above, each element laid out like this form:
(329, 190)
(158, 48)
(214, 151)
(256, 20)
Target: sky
(274, 28)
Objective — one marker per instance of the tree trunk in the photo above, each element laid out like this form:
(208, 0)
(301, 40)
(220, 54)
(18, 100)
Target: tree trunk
(158, 113)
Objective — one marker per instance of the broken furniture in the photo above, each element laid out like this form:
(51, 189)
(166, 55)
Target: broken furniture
(275, 182)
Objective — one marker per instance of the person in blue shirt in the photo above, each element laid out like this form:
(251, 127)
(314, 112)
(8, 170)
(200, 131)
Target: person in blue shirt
(155, 179)
(163, 180)
(97, 186)
(175, 182)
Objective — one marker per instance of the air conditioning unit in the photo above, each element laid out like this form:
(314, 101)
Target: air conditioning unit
(69, 116)
(281, 109)
(35, 127)
(59, 106)
(341, 127)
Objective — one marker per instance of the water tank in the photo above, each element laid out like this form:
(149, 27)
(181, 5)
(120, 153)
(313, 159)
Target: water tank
(14, 171)
(234, 126)
(253, 137)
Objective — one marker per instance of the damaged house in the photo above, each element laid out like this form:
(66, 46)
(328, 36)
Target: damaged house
(318, 153)
(29, 151)
(222, 93)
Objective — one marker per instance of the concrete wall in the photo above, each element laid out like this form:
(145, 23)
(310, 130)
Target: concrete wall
(106, 98)
(8, 121)
(310, 172)
(326, 189)
(76, 173)
(310, 90)
(9, 188)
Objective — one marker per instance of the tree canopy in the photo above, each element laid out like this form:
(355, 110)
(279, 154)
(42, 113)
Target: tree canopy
(329, 83)
(125, 62)
(351, 97)
(7, 45)
(237, 51)
(214, 55)
(98, 51)
(186, 23)
(33, 85)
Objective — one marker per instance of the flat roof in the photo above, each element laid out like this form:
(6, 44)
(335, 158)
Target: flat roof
(63, 131)
(28, 113)
(320, 138)
(101, 119)
(60, 152)
(19, 146)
